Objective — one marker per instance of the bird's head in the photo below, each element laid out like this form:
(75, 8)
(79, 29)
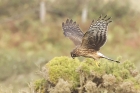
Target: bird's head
(73, 55)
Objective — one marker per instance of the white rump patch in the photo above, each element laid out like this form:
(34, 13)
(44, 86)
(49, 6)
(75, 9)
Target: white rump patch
(100, 54)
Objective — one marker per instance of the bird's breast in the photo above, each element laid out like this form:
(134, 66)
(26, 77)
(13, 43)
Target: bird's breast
(88, 53)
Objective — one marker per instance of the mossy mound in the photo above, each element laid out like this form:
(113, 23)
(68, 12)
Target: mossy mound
(67, 75)
(63, 67)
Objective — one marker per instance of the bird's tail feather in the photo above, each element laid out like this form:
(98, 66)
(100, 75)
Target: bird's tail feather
(110, 59)
(102, 56)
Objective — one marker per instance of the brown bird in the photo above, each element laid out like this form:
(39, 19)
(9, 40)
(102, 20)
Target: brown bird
(88, 44)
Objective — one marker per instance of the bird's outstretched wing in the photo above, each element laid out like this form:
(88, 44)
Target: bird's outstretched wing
(72, 30)
(95, 37)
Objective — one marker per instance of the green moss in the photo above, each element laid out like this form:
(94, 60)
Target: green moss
(63, 67)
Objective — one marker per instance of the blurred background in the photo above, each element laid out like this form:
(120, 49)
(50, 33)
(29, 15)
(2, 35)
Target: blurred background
(31, 34)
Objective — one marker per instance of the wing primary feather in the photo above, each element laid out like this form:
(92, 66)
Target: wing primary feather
(71, 21)
(108, 19)
(72, 31)
(105, 16)
(96, 35)
(100, 39)
(99, 17)
(74, 23)
(67, 21)
(62, 24)
(97, 38)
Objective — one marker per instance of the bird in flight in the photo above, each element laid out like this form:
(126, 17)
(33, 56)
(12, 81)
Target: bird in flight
(88, 44)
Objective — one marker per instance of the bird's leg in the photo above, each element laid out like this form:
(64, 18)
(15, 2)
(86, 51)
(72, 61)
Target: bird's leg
(97, 64)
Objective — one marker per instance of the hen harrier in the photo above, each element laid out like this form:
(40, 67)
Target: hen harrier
(88, 44)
